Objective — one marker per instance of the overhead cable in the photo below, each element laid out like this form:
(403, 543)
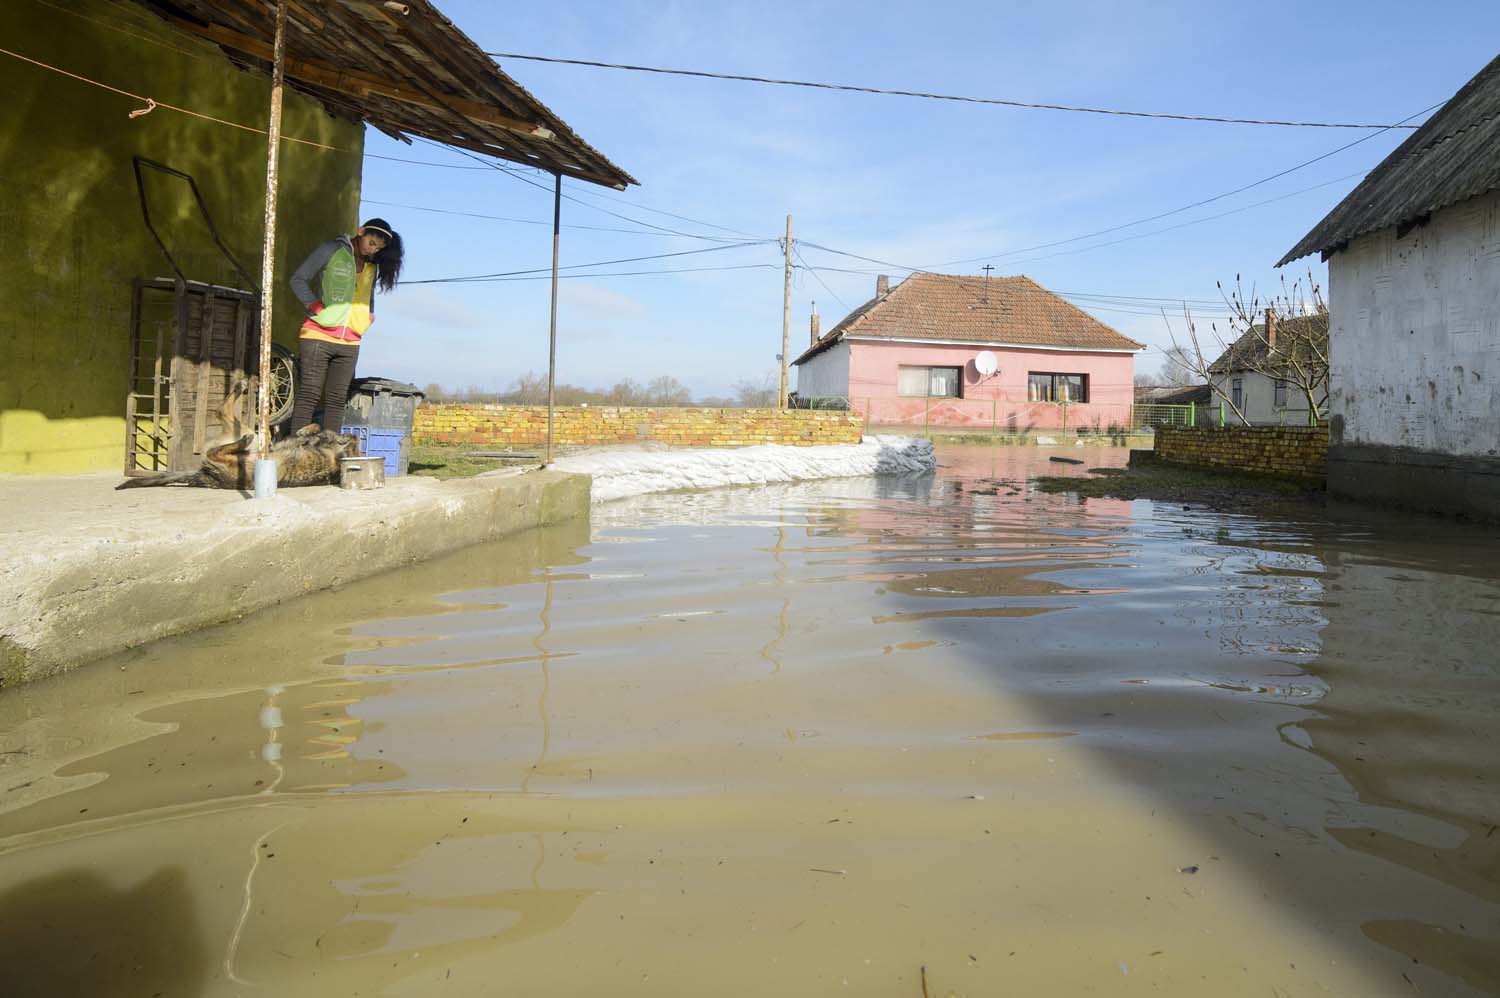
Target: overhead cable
(581, 266)
(541, 221)
(624, 273)
(545, 187)
(819, 277)
(1196, 204)
(883, 91)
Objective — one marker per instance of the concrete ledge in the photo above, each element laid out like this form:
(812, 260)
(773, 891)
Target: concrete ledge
(1415, 479)
(86, 571)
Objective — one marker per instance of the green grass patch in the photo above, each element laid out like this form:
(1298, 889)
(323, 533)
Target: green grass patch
(449, 461)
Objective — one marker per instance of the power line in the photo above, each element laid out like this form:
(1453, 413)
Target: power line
(1005, 102)
(533, 221)
(856, 256)
(619, 273)
(424, 162)
(819, 278)
(1130, 305)
(575, 200)
(684, 218)
(1194, 221)
(1196, 204)
(1150, 299)
(580, 266)
(1140, 221)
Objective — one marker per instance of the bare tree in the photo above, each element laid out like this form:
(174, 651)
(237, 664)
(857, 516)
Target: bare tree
(1284, 337)
(667, 390)
(625, 392)
(761, 394)
(1177, 368)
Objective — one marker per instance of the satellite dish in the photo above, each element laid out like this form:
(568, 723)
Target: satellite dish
(985, 364)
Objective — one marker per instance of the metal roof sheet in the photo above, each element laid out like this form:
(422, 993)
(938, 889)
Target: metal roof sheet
(405, 69)
(1454, 156)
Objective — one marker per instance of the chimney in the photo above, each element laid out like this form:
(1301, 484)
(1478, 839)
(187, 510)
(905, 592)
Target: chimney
(813, 325)
(882, 286)
(1270, 329)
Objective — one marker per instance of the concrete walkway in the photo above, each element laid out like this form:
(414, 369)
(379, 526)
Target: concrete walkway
(86, 571)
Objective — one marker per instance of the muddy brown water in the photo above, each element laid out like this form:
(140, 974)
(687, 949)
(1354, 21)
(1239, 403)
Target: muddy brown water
(940, 735)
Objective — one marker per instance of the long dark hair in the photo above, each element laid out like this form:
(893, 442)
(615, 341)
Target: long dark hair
(387, 261)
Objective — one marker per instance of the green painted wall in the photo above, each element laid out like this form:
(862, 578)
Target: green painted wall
(71, 235)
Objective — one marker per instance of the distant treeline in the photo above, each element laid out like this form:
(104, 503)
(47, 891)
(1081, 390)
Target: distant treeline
(531, 389)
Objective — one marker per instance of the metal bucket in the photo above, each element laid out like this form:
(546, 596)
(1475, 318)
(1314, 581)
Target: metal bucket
(361, 473)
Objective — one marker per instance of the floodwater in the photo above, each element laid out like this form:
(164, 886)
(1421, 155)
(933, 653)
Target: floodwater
(930, 736)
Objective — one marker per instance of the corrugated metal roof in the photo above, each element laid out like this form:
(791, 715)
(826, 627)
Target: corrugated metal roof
(1014, 311)
(1454, 156)
(405, 69)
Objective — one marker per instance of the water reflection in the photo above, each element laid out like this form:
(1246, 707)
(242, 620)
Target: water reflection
(291, 739)
(1410, 721)
(775, 740)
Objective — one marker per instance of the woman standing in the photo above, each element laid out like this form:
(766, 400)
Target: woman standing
(346, 271)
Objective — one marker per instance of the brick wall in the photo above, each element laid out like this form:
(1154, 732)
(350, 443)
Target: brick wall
(526, 426)
(1295, 452)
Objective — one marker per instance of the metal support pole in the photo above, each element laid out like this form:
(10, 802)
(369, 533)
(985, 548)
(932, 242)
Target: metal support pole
(552, 334)
(786, 318)
(265, 467)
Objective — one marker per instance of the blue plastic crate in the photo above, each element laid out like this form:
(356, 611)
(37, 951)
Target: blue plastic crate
(384, 444)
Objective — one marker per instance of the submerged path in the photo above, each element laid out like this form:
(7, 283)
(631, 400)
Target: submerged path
(823, 738)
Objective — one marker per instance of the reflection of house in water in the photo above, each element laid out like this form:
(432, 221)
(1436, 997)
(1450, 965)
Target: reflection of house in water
(1410, 720)
(979, 548)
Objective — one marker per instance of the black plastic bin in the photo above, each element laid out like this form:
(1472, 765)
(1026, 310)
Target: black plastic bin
(381, 412)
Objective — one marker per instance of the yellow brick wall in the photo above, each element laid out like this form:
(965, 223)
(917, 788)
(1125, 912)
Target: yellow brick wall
(526, 426)
(1298, 453)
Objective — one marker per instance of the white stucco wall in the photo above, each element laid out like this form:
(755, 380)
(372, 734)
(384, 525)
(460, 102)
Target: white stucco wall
(1414, 334)
(826, 374)
(1259, 405)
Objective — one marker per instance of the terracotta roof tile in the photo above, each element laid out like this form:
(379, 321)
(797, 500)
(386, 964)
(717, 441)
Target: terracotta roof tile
(1000, 310)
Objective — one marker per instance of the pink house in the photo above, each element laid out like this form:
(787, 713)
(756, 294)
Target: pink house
(998, 353)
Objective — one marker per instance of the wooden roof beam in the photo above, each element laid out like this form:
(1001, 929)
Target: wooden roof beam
(334, 78)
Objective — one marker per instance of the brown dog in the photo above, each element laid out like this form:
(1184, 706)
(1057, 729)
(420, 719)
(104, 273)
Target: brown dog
(308, 457)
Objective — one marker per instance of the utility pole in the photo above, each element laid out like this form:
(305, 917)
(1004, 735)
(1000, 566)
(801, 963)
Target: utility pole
(265, 466)
(786, 317)
(552, 326)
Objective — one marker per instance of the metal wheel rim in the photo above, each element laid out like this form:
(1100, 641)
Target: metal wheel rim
(283, 384)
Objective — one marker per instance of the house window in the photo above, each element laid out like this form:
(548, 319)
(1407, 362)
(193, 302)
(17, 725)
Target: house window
(928, 382)
(1237, 392)
(1280, 402)
(1057, 387)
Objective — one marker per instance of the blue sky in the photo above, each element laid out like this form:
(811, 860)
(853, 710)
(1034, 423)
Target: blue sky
(910, 181)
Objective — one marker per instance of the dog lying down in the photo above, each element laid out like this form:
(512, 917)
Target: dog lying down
(308, 457)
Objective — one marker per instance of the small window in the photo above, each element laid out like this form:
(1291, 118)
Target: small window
(1280, 402)
(1237, 391)
(928, 382)
(1057, 387)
